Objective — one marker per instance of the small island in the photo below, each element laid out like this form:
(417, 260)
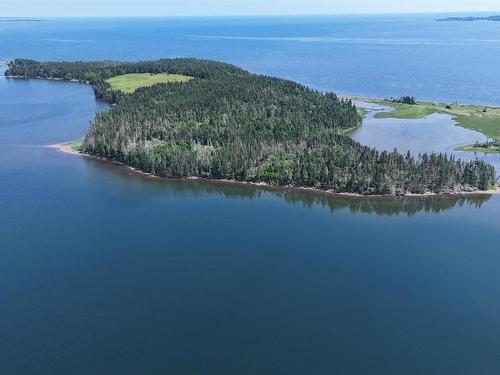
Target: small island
(469, 19)
(195, 118)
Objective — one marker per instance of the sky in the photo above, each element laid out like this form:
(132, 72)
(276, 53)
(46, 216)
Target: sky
(59, 8)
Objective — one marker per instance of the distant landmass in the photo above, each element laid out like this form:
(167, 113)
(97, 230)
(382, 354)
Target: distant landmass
(8, 19)
(470, 19)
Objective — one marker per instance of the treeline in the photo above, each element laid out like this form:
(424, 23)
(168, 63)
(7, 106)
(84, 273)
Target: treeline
(230, 124)
(403, 100)
(97, 72)
(489, 143)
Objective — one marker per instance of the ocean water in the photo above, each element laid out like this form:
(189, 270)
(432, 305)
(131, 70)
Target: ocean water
(103, 271)
(375, 56)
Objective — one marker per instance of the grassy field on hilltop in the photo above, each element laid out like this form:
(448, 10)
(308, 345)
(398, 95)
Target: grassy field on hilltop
(130, 82)
(483, 119)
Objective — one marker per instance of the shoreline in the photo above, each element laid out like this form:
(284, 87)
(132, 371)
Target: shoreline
(378, 100)
(472, 148)
(44, 78)
(65, 148)
(483, 119)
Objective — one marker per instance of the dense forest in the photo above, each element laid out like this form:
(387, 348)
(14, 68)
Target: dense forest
(230, 124)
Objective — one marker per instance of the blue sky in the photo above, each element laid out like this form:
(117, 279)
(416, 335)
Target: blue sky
(56, 8)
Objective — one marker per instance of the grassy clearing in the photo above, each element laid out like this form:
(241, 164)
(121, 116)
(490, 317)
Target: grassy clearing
(407, 111)
(75, 146)
(130, 82)
(483, 119)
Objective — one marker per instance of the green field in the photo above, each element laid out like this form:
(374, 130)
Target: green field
(130, 82)
(75, 145)
(483, 119)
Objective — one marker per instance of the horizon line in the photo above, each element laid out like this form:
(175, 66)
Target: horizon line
(250, 15)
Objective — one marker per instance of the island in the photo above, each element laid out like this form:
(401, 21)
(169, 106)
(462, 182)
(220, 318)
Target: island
(469, 19)
(195, 118)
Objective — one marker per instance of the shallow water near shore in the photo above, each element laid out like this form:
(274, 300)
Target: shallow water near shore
(434, 133)
(106, 271)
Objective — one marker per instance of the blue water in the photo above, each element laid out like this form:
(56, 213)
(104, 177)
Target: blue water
(103, 271)
(435, 133)
(379, 56)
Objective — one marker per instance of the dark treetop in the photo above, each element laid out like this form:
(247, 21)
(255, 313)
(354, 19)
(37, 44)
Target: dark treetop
(230, 124)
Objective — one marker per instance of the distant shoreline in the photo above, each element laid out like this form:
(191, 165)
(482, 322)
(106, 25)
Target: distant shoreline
(469, 19)
(66, 148)
(21, 20)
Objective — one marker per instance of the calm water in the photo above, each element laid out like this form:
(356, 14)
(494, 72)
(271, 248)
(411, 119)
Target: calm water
(437, 132)
(106, 272)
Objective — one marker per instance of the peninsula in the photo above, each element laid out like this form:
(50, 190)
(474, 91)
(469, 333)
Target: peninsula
(199, 118)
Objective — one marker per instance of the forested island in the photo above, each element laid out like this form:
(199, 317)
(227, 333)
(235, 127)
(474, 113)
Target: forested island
(199, 118)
